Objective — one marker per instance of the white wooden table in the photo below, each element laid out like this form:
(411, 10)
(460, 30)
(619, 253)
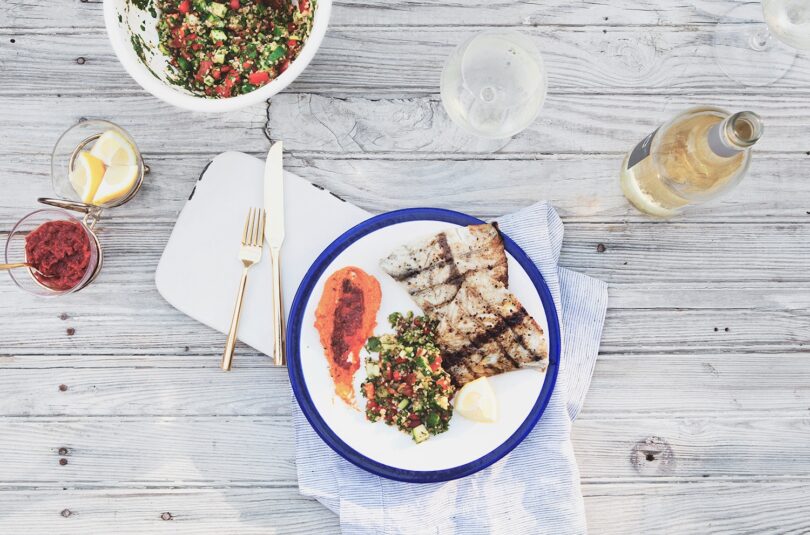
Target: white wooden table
(114, 415)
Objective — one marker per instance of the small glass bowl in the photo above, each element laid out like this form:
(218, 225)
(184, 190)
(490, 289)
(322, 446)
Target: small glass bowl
(83, 135)
(15, 252)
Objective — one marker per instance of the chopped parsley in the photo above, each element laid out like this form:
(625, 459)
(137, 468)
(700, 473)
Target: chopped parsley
(406, 386)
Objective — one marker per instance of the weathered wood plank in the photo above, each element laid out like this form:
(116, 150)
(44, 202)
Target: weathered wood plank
(702, 507)
(37, 122)
(567, 124)
(612, 508)
(132, 451)
(582, 188)
(412, 128)
(665, 385)
(592, 59)
(25, 14)
(260, 511)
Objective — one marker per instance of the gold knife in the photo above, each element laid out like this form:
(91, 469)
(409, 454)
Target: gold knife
(274, 232)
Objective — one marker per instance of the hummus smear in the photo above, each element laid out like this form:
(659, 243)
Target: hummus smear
(345, 319)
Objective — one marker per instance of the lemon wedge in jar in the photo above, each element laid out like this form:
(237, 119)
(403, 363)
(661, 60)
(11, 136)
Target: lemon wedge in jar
(114, 149)
(118, 181)
(86, 176)
(476, 401)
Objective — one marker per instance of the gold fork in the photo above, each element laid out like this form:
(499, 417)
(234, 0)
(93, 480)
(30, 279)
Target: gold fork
(250, 254)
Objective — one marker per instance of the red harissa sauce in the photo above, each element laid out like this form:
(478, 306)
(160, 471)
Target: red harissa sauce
(345, 318)
(61, 251)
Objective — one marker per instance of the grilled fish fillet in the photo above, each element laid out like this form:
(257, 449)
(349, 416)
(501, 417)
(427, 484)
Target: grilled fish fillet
(485, 331)
(459, 278)
(433, 269)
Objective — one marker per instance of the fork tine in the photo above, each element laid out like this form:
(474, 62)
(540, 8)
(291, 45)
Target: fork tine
(256, 215)
(252, 227)
(247, 225)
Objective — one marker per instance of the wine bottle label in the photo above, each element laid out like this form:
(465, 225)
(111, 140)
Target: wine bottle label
(642, 150)
(719, 145)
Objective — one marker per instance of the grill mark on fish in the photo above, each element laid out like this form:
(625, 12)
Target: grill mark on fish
(485, 337)
(447, 254)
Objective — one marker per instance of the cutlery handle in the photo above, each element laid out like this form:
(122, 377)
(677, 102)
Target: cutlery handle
(279, 358)
(12, 266)
(227, 356)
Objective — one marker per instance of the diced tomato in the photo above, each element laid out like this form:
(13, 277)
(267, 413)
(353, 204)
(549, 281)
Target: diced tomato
(303, 5)
(225, 68)
(184, 6)
(411, 378)
(191, 37)
(247, 64)
(234, 4)
(216, 73)
(414, 423)
(407, 391)
(258, 77)
(443, 383)
(205, 66)
(436, 364)
(369, 388)
(397, 375)
(284, 66)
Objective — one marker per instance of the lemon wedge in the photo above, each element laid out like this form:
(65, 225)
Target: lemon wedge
(118, 182)
(87, 174)
(114, 149)
(476, 401)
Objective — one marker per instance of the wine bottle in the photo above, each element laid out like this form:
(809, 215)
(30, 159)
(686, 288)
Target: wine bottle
(693, 158)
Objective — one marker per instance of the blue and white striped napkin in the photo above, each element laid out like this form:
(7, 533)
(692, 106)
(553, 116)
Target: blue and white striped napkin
(533, 490)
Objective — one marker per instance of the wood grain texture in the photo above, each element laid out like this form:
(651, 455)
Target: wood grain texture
(130, 452)
(581, 188)
(579, 59)
(699, 385)
(698, 414)
(733, 508)
(614, 508)
(25, 14)
(270, 510)
(568, 124)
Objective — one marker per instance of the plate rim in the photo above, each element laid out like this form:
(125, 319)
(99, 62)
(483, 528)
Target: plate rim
(298, 383)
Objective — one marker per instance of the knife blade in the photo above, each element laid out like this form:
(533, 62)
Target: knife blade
(274, 196)
(274, 232)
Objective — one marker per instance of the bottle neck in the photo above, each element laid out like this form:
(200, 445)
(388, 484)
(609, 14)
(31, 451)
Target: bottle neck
(735, 134)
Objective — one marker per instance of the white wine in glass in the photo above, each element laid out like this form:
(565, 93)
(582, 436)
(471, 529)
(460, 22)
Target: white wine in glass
(789, 21)
(755, 45)
(494, 84)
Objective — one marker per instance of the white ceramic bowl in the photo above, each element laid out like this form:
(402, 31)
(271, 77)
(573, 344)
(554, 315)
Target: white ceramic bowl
(124, 23)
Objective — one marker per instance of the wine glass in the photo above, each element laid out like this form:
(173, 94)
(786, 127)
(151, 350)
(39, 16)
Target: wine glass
(494, 84)
(742, 39)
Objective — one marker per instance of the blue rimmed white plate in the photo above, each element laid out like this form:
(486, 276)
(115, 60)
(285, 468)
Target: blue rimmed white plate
(467, 446)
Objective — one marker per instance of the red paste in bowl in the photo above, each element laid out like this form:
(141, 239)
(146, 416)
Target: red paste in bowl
(61, 251)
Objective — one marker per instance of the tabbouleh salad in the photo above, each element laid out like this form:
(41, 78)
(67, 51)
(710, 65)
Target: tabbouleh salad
(407, 387)
(228, 48)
